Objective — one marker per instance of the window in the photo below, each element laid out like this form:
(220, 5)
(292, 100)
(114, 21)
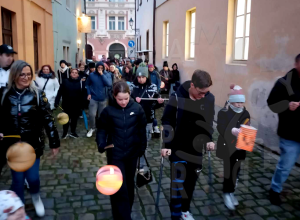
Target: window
(147, 40)
(192, 34)
(93, 22)
(66, 53)
(242, 29)
(140, 2)
(112, 24)
(140, 42)
(68, 3)
(7, 36)
(121, 24)
(166, 39)
(36, 45)
(137, 44)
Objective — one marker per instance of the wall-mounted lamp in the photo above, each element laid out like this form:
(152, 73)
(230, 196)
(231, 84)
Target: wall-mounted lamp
(78, 44)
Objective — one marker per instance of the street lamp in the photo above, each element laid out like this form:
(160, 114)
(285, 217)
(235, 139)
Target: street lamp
(131, 23)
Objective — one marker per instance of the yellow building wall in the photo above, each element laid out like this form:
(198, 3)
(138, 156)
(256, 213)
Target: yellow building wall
(25, 13)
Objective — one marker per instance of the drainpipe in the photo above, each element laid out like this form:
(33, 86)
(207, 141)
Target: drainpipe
(154, 15)
(135, 29)
(85, 33)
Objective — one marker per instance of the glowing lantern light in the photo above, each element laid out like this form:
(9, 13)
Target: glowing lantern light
(20, 156)
(246, 138)
(162, 85)
(62, 118)
(109, 180)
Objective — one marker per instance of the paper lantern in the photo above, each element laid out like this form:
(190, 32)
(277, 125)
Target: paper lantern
(109, 180)
(162, 85)
(20, 156)
(246, 138)
(62, 118)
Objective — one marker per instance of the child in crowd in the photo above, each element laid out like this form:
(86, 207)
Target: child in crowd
(230, 118)
(11, 206)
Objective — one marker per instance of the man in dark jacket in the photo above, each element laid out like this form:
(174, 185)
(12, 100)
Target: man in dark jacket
(284, 100)
(97, 93)
(188, 128)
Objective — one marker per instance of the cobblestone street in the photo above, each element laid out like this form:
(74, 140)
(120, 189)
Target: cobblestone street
(68, 186)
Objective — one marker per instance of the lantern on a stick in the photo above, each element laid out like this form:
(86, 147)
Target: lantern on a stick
(246, 138)
(109, 180)
(62, 118)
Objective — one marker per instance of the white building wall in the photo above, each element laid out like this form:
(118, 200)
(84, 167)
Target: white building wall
(144, 22)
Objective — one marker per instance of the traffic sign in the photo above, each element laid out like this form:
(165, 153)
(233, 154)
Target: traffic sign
(131, 43)
(131, 52)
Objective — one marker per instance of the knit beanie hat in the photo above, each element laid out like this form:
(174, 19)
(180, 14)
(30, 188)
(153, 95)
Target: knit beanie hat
(63, 61)
(166, 64)
(150, 66)
(9, 203)
(236, 94)
(142, 70)
(92, 65)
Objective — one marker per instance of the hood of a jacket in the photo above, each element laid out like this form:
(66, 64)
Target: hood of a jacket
(99, 64)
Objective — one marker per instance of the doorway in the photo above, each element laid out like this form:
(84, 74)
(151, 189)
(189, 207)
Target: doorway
(116, 51)
(89, 51)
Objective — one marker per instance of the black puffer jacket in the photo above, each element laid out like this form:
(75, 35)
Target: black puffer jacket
(125, 128)
(26, 115)
(147, 90)
(228, 119)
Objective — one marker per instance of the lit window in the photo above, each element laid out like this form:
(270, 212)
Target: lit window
(121, 23)
(192, 34)
(242, 29)
(166, 39)
(93, 21)
(112, 24)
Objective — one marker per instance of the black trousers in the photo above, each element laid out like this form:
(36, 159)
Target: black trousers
(122, 201)
(232, 167)
(184, 176)
(73, 118)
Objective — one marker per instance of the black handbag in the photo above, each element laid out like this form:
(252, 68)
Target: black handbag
(143, 178)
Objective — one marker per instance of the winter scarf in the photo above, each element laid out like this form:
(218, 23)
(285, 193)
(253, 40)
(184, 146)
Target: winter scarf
(236, 109)
(62, 70)
(46, 76)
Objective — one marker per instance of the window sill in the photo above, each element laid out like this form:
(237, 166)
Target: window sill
(234, 63)
(190, 60)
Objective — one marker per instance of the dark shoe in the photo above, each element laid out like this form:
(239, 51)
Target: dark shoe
(64, 136)
(74, 135)
(274, 197)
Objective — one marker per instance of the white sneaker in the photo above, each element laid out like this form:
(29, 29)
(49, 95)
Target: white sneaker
(156, 129)
(187, 216)
(90, 133)
(228, 202)
(38, 205)
(233, 199)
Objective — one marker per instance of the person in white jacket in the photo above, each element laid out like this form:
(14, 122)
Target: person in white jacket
(47, 81)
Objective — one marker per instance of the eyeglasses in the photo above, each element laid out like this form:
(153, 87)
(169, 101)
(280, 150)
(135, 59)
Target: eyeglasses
(24, 75)
(201, 93)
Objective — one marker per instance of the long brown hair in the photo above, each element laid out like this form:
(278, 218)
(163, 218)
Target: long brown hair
(50, 69)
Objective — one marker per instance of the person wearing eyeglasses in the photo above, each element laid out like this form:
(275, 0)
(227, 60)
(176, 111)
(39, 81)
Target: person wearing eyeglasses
(25, 111)
(188, 127)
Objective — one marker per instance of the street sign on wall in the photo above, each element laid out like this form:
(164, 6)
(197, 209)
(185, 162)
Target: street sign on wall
(131, 52)
(131, 43)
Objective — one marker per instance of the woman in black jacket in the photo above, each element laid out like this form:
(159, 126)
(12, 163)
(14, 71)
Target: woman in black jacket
(127, 74)
(72, 93)
(25, 111)
(122, 134)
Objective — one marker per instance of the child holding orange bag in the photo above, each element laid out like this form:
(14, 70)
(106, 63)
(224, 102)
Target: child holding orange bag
(230, 118)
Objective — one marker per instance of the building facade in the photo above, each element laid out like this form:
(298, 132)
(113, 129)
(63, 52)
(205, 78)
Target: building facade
(27, 26)
(69, 44)
(248, 43)
(111, 29)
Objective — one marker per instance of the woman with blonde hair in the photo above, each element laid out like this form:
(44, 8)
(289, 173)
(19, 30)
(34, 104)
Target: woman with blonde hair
(25, 111)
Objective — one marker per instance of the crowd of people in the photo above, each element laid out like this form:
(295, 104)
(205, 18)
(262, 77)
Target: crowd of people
(121, 100)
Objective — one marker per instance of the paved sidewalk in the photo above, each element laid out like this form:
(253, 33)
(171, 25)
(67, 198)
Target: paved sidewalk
(68, 186)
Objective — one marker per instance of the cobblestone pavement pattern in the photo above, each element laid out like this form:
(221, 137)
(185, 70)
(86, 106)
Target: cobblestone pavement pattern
(68, 186)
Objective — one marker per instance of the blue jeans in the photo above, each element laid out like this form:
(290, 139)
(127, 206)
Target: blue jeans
(33, 178)
(290, 151)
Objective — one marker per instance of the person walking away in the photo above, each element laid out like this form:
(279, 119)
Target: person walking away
(155, 79)
(165, 74)
(27, 119)
(143, 88)
(188, 127)
(121, 132)
(48, 83)
(96, 86)
(71, 92)
(230, 119)
(6, 60)
(174, 77)
(63, 72)
(127, 74)
(284, 100)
